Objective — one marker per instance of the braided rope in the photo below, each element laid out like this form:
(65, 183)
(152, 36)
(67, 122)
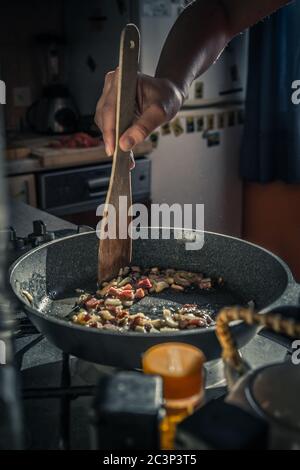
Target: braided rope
(274, 322)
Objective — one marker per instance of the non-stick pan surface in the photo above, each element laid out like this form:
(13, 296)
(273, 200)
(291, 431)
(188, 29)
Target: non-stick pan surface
(51, 274)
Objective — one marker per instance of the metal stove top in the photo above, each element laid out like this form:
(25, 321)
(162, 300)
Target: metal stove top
(50, 380)
(56, 388)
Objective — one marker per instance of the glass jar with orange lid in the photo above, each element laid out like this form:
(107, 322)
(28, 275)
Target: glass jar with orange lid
(181, 367)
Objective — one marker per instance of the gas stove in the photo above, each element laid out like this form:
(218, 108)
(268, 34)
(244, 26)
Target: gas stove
(46, 373)
(20, 245)
(58, 389)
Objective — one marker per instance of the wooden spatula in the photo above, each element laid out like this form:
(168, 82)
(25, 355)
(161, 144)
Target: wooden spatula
(115, 253)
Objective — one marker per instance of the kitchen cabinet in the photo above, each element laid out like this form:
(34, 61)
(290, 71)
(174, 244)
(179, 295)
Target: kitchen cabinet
(23, 188)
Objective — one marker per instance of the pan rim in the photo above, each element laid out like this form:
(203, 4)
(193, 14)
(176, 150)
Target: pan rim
(62, 322)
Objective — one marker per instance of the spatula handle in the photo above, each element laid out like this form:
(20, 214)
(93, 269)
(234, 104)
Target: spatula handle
(128, 70)
(116, 253)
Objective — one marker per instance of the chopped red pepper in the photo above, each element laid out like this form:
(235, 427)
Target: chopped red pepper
(92, 303)
(140, 293)
(128, 287)
(113, 291)
(146, 283)
(126, 295)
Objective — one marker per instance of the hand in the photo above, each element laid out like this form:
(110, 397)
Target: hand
(157, 101)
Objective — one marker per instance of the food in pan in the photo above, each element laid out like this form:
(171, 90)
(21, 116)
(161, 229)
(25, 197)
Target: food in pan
(108, 308)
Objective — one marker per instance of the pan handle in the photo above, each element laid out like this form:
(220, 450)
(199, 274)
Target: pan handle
(289, 306)
(291, 312)
(286, 322)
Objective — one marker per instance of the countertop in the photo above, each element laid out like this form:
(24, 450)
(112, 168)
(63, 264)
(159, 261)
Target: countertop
(22, 216)
(32, 164)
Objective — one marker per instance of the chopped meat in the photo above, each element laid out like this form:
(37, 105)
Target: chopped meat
(146, 283)
(109, 309)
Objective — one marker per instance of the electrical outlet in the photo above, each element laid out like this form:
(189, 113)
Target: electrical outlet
(22, 96)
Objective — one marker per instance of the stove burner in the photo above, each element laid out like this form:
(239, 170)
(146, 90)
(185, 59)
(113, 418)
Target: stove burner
(18, 246)
(15, 242)
(40, 234)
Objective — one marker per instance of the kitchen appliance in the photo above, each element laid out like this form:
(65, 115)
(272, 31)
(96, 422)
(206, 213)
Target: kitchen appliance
(132, 403)
(196, 159)
(52, 273)
(261, 410)
(224, 81)
(270, 392)
(55, 112)
(79, 190)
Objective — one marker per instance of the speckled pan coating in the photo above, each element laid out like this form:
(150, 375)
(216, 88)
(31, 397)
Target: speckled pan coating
(52, 272)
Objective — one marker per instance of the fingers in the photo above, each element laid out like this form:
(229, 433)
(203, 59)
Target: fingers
(105, 116)
(158, 101)
(152, 118)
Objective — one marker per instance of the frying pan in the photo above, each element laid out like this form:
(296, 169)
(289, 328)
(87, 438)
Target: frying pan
(52, 272)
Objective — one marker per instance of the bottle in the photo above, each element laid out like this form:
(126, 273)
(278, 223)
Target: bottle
(181, 367)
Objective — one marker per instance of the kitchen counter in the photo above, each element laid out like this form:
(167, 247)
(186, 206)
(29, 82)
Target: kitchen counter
(22, 216)
(33, 164)
(22, 167)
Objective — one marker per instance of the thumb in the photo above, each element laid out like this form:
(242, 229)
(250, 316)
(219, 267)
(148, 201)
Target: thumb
(153, 117)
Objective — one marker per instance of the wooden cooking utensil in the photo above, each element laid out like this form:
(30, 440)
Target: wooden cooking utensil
(115, 253)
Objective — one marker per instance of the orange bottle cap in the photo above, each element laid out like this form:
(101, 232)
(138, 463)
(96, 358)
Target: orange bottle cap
(181, 367)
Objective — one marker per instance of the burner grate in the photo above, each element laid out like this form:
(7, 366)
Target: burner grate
(18, 246)
(24, 326)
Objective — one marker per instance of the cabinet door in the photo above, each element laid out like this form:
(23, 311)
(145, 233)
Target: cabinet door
(23, 188)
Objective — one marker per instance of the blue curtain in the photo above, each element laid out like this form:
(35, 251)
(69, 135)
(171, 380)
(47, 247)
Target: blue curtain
(271, 143)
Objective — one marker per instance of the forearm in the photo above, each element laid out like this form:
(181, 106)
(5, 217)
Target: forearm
(196, 40)
(202, 31)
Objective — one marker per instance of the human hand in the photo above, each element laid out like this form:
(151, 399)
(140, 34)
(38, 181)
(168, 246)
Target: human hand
(157, 101)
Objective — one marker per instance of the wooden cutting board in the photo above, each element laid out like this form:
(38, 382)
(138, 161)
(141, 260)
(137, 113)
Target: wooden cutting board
(53, 158)
(50, 157)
